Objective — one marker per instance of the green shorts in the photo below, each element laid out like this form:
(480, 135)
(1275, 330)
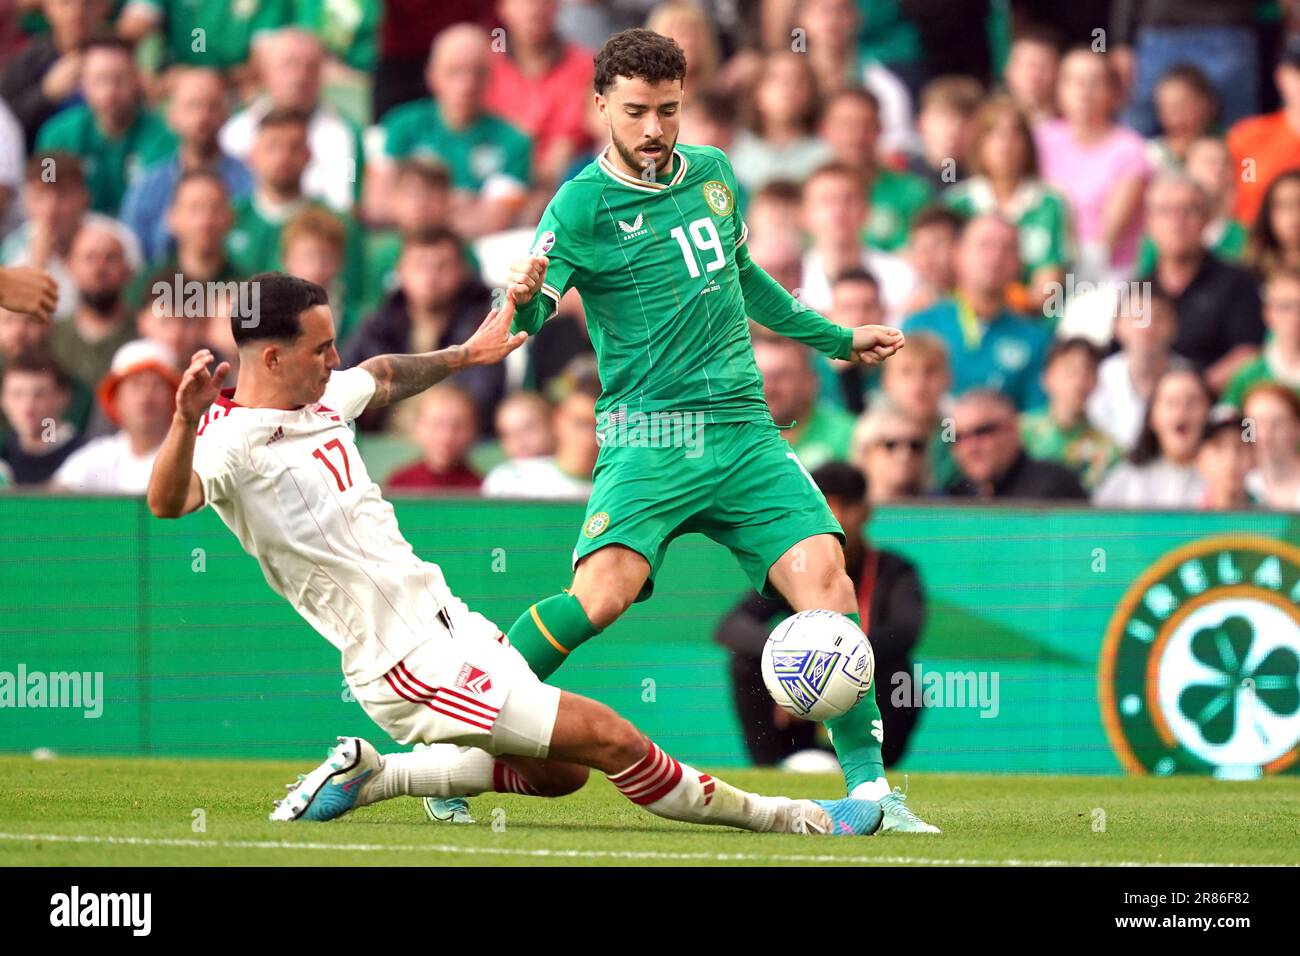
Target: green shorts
(740, 484)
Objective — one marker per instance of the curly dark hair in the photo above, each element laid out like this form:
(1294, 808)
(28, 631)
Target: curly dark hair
(639, 53)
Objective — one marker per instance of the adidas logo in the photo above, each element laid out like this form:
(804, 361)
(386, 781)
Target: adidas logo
(276, 435)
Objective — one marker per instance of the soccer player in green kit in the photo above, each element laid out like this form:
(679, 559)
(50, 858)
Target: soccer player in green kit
(650, 236)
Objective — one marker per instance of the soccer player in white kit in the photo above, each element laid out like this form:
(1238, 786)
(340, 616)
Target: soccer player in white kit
(275, 457)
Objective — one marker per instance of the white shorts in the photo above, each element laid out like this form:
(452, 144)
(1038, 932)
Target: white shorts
(467, 688)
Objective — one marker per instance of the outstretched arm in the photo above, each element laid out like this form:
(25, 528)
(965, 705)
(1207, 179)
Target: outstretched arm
(174, 486)
(401, 376)
(770, 305)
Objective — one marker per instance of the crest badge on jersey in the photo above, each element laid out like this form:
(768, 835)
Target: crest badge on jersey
(544, 244)
(596, 524)
(719, 197)
(474, 680)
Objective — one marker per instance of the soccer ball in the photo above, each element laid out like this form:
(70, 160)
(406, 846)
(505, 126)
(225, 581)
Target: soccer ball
(818, 665)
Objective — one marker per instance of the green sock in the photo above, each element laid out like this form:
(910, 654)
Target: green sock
(548, 631)
(851, 734)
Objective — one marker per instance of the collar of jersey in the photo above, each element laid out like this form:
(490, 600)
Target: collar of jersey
(632, 182)
(226, 399)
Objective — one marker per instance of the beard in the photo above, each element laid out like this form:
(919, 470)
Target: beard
(102, 301)
(642, 164)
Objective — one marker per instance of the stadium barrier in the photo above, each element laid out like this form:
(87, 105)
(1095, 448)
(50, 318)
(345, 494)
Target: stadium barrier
(1056, 640)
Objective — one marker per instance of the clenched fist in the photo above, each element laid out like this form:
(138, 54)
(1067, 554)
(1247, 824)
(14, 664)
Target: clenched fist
(872, 344)
(526, 276)
(29, 291)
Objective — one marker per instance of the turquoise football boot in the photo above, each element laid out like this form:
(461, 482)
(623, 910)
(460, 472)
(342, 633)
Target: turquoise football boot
(332, 789)
(850, 817)
(447, 810)
(899, 818)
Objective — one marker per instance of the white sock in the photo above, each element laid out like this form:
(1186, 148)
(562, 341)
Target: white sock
(676, 791)
(871, 789)
(440, 770)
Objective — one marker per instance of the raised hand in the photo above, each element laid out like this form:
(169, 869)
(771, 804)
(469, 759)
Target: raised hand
(872, 344)
(199, 388)
(492, 341)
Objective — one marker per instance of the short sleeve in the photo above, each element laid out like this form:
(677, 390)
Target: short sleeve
(563, 240)
(349, 392)
(216, 462)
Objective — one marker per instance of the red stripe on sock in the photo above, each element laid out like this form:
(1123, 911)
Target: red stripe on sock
(649, 778)
(509, 780)
(654, 796)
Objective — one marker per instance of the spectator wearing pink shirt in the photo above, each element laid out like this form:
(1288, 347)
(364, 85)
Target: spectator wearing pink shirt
(1100, 166)
(543, 84)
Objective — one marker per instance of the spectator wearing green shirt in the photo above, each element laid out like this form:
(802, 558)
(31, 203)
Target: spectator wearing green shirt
(988, 345)
(348, 28)
(1061, 432)
(1209, 162)
(889, 447)
(216, 33)
(851, 127)
(489, 159)
(1279, 361)
(112, 131)
(916, 382)
(817, 433)
(1005, 180)
(279, 157)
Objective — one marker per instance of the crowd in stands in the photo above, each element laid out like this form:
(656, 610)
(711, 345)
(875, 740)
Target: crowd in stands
(1085, 217)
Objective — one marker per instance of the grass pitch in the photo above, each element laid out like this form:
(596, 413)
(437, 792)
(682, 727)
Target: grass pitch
(127, 812)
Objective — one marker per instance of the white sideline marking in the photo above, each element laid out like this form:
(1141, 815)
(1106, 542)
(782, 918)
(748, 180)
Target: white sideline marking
(573, 854)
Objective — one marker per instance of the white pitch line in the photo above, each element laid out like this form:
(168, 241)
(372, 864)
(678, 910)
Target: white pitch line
(574, 854)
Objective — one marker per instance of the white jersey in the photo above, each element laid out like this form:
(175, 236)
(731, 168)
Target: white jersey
(292, 487)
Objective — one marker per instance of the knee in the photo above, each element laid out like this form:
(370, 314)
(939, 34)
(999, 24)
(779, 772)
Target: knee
(834, 590)
(603, 603)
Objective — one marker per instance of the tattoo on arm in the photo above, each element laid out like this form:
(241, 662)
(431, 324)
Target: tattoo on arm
(401, 376)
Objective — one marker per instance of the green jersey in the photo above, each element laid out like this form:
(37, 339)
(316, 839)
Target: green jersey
(896, 197)
(216, 33)
(108, 164)
(1087, 451)
(482, 156)
(1226, 238)
(1255, 372)
(668, 286)
(1041, 216)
